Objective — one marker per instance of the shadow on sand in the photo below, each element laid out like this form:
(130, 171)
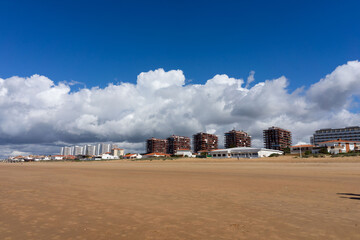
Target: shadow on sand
(349, 196)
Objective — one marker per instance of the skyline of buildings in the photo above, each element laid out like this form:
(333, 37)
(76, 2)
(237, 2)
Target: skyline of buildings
(274, 138)
(87, 149)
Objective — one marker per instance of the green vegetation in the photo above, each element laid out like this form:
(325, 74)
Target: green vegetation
(274, 155)
(286, 150)
(323, 150)
(349, 154)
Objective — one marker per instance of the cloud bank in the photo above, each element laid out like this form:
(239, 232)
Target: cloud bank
(39, 115)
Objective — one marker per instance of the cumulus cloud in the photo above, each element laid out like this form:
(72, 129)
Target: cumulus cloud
(337, 88)
(37, 112)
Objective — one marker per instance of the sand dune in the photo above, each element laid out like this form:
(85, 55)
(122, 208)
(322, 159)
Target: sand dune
(182, 199)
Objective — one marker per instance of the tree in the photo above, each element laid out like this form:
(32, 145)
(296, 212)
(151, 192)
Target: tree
(324, 150)
(286, 150)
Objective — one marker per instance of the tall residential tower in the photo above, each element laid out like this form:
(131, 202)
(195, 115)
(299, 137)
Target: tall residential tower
(205, 142)
(277, 138)
(176, 143)
(237, 139)
(154, 145)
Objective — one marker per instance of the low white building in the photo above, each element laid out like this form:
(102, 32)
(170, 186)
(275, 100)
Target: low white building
(133, 156)
(57, 157)
(340, 146)
(243, 152)
(184, 153)
(107, 156)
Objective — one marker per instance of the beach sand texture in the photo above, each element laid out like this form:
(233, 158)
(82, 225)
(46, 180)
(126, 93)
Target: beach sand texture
(187, 199)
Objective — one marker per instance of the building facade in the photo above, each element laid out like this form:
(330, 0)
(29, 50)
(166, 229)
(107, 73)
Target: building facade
(154, 145)
(78, 150)
(177, 142)
(105, 148)
(298, 149)
(340, 146)
(90, 150)
(205, 142)
(67, 151)
(237, 139)
(117, 152)
(277, 138)
(328, 134)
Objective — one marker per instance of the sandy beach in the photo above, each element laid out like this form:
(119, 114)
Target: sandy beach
(273, 198)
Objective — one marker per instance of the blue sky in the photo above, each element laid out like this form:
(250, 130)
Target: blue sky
(97, 42)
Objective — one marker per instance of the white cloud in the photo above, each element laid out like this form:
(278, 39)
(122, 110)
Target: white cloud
(250, 79)
(336, 89)
(35, 110)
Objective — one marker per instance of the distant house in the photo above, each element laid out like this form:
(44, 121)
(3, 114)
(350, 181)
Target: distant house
(107, 156)
(29, 159)
(69, 157)
(133, 156)
(17, 159)
(340, 146)
(184, 153)
(301, 148)
(57, 157)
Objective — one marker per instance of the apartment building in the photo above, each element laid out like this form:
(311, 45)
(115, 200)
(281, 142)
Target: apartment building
(67, 151)
(104, 148)
(78, 150)
(205, 142)
(90, 150)
(117, 152)
(177, 142)
(235, 138)
(154, 145)
(277, 138)
(328, 134)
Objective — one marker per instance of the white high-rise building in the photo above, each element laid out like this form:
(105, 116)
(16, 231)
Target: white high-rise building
(98, 149)
(106, 147)
(90, 150)
(68, 151)
(62, 150)
(78, 150)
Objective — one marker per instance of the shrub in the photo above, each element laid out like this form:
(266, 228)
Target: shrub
(274, 155)
(323, 150)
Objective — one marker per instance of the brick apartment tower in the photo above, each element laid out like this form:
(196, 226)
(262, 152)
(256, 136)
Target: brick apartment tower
(277, 138)
(237, 139)
(154, 145)
(177, 142)
(205, 141)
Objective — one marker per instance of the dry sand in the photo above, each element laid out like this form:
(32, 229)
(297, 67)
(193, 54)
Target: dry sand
(282, 198)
